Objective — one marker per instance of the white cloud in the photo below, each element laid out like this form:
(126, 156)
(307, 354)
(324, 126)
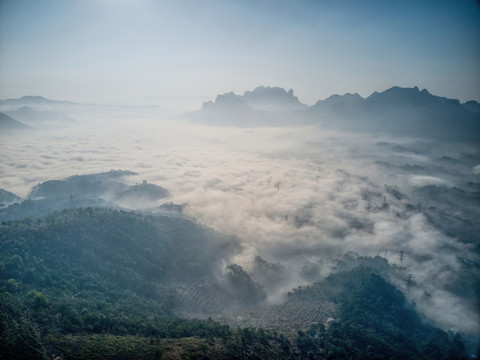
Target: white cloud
(424, 180)
(476, 170)
(292, 195)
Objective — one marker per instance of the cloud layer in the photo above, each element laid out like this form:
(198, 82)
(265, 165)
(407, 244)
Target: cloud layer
(292, 195)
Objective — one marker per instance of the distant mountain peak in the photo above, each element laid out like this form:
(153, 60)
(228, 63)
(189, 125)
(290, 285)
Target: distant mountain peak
(472, 106)
(349, 96)
(334, 100)
(273, 99)
(25, 109)
(412, 96)
(30, 97)
(226, 100)
(229, 96)
(8, 123)
(262, 98)
(32, 100)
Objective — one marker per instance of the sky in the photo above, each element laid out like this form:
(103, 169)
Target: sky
(119, 51)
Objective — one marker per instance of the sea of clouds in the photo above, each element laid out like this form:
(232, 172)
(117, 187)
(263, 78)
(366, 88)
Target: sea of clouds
(291, 194)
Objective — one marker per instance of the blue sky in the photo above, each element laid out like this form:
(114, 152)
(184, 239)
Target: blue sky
(113, 51)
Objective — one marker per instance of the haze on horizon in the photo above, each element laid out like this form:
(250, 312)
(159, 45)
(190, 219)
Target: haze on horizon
(141, 51)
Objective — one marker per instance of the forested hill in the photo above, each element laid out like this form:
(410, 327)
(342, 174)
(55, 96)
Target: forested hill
(103, 284)
(128, 250)
(375, 321)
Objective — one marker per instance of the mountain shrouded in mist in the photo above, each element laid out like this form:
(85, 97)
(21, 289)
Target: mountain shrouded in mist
(401, 111)
(8, 198)
(108, 189)
(270, 237)
(263, 106)
(32, 101)
(33, 117)
(273, 98)
(261, 98)
(396, 111)
(7, 123)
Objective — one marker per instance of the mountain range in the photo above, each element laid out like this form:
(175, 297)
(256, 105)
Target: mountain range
(262, 98)
(30, 116)
(397, 111)
(32, 101)
(403, 111)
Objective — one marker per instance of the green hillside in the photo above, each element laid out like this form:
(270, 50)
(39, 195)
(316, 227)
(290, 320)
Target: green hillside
(104, 284)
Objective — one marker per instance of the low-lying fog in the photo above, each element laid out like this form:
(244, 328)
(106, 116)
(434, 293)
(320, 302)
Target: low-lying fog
(293, 195)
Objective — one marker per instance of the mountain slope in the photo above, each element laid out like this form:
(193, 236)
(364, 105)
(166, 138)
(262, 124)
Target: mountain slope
(115, 254)
(32, 116)
(71, 276)
(8, 198)
(8, 123)
(374, 320)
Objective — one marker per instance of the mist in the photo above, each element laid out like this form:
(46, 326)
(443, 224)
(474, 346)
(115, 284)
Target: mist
(297, 196)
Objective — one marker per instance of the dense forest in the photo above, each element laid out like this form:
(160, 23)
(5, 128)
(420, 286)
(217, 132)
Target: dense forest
(106, 284)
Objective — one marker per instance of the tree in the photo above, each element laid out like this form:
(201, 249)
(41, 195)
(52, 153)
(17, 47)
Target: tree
(37, 299)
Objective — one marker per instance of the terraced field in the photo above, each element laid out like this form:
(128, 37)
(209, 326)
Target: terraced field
(197, 301)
